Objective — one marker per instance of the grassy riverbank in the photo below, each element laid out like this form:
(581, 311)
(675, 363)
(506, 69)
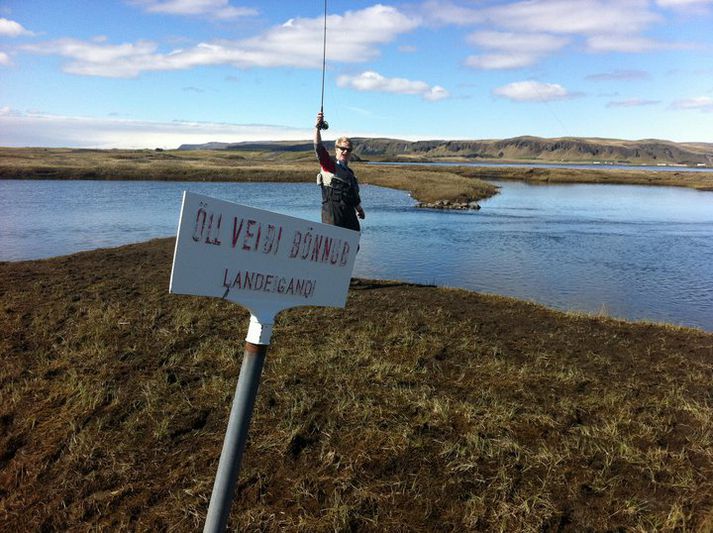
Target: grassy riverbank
(413, 409)
(426, 184)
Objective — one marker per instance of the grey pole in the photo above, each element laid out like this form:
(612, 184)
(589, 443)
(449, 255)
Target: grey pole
(235, 438)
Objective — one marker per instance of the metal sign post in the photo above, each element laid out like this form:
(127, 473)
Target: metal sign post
(235, 438)
(266, 262)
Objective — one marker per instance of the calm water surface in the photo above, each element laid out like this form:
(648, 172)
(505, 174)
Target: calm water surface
(628, 251)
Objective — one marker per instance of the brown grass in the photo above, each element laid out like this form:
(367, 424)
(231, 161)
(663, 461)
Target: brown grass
(426, 184)
(702, 181)
(413, 409)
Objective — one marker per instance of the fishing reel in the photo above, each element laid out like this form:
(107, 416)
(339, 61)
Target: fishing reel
(324, 125)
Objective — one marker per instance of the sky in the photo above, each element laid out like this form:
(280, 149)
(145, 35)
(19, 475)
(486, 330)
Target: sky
(161, 73)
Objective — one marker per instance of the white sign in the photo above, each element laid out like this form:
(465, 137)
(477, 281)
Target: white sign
(262, 260)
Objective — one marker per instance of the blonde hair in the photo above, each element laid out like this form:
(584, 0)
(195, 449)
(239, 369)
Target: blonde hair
(343, 140)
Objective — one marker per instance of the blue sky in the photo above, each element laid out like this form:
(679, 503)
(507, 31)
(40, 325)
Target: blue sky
(159, 73)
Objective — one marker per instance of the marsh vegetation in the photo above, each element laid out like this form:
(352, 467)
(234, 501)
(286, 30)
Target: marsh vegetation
(415, 408)
(426, 183)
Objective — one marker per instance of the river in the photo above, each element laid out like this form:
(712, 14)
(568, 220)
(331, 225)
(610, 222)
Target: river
(641, 253)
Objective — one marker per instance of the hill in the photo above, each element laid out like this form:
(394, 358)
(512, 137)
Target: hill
(566, 149)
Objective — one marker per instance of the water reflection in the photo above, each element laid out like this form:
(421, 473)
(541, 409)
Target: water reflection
(631, 251)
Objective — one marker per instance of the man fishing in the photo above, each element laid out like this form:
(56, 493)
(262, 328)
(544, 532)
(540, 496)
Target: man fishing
(341, 203)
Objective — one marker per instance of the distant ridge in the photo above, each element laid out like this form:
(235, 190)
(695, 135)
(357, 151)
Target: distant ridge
(565, 149)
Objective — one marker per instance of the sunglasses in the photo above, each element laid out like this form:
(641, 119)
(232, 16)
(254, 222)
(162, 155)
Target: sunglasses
(344, 149)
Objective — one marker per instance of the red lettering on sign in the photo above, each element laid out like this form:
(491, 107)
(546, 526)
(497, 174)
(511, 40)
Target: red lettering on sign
(316, 248)
(345, 254)
(334, 256)
(327, 249)
(257, 241)
(319, 248)
(213, 234)
(279, 236)
(306, 243)
(248, 235)
(269, 239)
(296, 244)
(260, 281)
(236, 230)
(200, 221)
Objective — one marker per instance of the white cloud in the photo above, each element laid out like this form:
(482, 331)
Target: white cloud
(436, 93)
(619, 75)
(501, 61)
(621, 43)
(585, 17)
(701, 103)
(569, 17)
(633, 102)
(512, 50)
(5, 60)
(532, 91)
(535, 43)
(521, 33)
(10, 28)
(371, 81)
(446, 12)
(37, 129)
(219, 9)
(354, 37)
(98, 59)
(684, 3)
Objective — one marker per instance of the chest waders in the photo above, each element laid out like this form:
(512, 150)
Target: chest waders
(340, 196)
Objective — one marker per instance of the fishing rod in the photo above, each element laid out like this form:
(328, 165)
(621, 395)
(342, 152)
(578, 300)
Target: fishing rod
(324, 125)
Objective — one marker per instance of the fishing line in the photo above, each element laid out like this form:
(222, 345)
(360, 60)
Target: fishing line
(549, 108)
(324, 124)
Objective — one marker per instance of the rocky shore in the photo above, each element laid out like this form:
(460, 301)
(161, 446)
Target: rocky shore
(447, 204)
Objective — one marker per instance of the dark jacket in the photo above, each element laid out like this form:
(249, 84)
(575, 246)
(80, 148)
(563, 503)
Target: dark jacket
(340, 191)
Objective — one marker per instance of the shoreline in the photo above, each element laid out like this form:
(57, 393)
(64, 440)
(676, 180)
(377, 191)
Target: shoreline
(587, 163)
(117, 398)
(571, 312)
(457, 185)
